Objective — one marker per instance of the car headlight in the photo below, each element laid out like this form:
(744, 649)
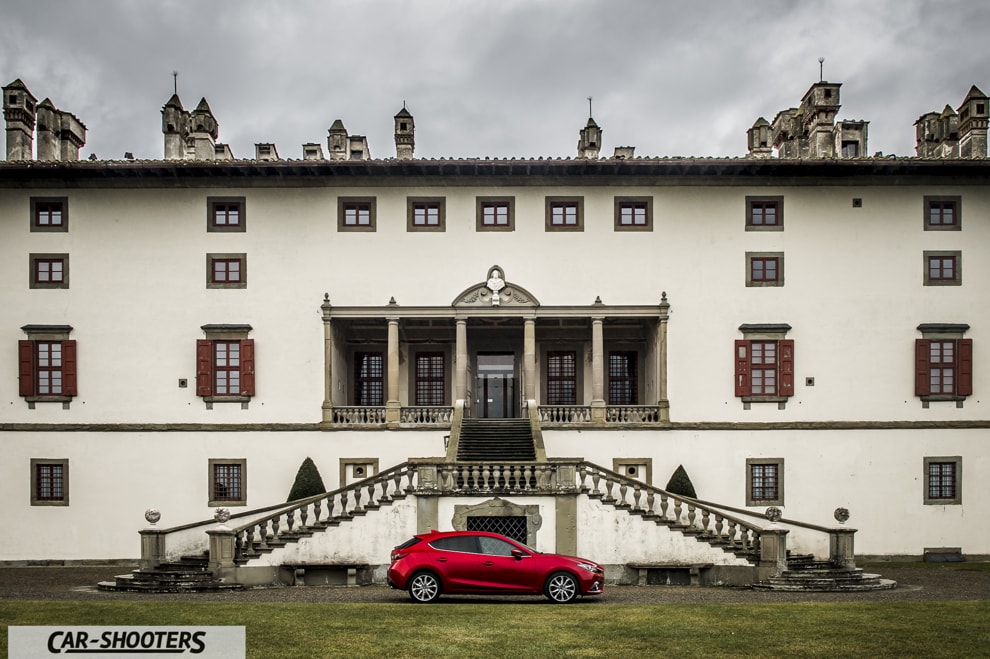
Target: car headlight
(588, 566)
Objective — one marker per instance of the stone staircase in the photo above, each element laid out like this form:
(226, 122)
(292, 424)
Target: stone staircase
(188, 575)
(483, 440)
(805, 574)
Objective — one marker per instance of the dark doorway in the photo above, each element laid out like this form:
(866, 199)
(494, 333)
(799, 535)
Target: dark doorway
(496, 386)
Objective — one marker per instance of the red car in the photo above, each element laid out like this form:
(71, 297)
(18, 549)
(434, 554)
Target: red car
(479, 563)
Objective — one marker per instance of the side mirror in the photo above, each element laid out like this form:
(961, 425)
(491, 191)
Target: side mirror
(518, 553)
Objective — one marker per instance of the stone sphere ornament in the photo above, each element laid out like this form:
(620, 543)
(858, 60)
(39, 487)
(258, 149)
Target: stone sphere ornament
(222, 515)
(774, 514)
(841, 515)
(152, 515)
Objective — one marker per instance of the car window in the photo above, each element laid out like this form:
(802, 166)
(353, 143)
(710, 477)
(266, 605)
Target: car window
(409, 543)
(495, 546)
(463, 543)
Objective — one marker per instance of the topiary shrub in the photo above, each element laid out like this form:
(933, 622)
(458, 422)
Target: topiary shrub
(308, 481)
(680, 483)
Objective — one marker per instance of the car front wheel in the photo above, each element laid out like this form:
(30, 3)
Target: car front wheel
(561, 588)
(424, 587)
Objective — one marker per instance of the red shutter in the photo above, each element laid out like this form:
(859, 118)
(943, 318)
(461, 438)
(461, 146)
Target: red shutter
(69, 386)
(247, 367)
(204, 367)
(742, 367)
(922, 369)
(964, 379)
(786, 366)
(25, 359)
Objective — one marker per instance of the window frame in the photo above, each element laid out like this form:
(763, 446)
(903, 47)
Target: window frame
(377, 378)
(778, 464)
(752, 258)
(624, 202)
(956, 498)
(413, 204)
(553, 393)
(37, 203)
(207, 367)
(484, 202)
(34, 260)
(36, 481)
(29, 368)
(213, 204)
(554, 202)
(763, 334)
(433, 378)
(213, 465)
(614, 379)
(931, 255)
(213, 259)
(345, 204)
(928, 205)
(777, 201)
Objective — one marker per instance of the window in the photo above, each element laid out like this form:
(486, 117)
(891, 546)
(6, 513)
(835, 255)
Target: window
(49, 214)
(565, 214)
(49, 271)
(226, 214)
(369, 380)
(764, 482)
(764, 269)
(634, 213)
(943, 268)
(426, 214)
(561, 378)
(943, 481)
(943, 213)
(764, 364)
(49, 482)
(623, 386)
(226, 270)
(850, 149)
(430, 379)
(356, 214)
(943, 363)
(764, 213)
(225, 364)
(496, 213)
(47, 364)
(228, 482)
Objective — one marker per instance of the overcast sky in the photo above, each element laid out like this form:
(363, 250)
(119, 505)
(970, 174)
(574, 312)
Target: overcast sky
(499, 78)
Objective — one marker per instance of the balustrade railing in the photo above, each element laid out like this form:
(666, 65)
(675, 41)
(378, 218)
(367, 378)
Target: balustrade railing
(632, 414)
(359, 416)
(496, 477)
(427, 416)
(554, 414)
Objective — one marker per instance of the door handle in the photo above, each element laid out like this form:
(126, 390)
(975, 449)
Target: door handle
(488, 563)
(441, 560)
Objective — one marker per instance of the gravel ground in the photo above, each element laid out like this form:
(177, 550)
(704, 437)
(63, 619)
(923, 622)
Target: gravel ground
(79, 584)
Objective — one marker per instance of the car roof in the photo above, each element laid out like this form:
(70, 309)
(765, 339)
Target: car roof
(433, 535)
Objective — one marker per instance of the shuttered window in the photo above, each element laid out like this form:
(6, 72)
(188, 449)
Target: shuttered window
(225, 368)
(47, 368)
(764, 368)
(943, 367)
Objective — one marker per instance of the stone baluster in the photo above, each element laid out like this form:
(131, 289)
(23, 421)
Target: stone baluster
(705, 521)
(527, 476)
(664, 502)
(317, 511)
(637, 496)
(476, 477)
(677, 511)
(290, 520)
(651, 499)
(691, 514)
(595, 479)
(732, 531)
(516, 477)
(249, 540)
(358, 506)
(275, 529)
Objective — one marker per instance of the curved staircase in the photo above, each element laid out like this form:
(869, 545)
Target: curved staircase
(804, 574)
(188, 575)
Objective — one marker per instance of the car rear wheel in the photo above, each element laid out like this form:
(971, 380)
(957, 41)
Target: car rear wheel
(561, 588)
(424, 587)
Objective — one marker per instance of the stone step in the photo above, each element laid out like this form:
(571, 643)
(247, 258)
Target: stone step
(881, 584)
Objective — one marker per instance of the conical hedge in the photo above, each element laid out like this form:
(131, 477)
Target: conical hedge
(680, 483)
(308, 481)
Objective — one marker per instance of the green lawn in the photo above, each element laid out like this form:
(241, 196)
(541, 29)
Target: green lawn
(459, 629)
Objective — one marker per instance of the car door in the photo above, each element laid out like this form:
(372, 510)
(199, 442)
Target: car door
(500, 569)
(456, 559)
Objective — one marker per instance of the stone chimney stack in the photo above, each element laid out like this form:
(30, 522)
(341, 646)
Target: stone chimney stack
(203, 132)
(819, 107)
(973, 125)
(405, 135)
(174, 126)
(337, 142)
(49, 126)
(759, 139)
(72, 135)
(590, 141)
(19, 110)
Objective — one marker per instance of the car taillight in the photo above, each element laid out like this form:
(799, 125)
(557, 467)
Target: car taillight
(398, 555)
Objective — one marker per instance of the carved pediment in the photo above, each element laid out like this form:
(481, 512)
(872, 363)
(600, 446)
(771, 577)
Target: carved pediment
(495, 291)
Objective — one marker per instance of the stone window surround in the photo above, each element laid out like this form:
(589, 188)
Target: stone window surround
(956, 281)
(440, 202)
(622, 465)
(509, 201)
(779, 281)
(370, 465)
(621, 201)
(241, 257)
(945, 332)
(61, 228)
(48, 333)
(212, 463)
(498, 507)
(35, 463)
(448, 368)
(552, 201)
(957, 213)
(344, 202)
(956, 500)
(779, 501)
(32, 261)
(211, 204)
(766, 332)
(215, 333)
(751, 199)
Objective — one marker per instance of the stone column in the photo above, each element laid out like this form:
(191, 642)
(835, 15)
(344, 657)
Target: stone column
(152, 548)
(392, 407)
(529, 358)
(842, 551)
(597, 371)
(327, 362)
(773, 552)
(461, 361)
(663, 401)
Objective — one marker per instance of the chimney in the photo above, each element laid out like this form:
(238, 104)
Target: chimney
(19, 112)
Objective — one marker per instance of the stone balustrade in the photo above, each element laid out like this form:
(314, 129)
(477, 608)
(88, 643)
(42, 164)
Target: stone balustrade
(427, 416)
(358, 416)
(632, 414)
(551, 415)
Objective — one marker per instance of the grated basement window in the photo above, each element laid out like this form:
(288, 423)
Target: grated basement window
(510, 527)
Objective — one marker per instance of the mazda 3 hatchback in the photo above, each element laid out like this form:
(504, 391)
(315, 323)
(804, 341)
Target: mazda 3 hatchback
(479, 563)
